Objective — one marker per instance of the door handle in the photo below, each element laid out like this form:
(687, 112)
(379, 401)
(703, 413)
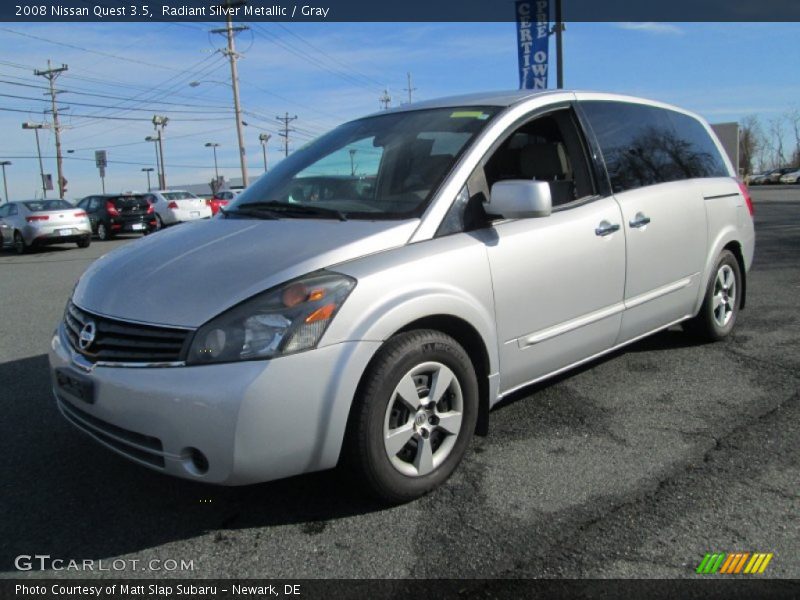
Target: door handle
(605, 228)
(640, 220)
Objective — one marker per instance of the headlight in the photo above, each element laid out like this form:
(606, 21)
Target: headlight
(287, 319)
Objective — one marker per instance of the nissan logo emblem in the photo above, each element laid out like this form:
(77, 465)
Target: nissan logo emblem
(87, 335)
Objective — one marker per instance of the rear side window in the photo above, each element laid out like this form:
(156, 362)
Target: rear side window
(644, 145)
(706, 160)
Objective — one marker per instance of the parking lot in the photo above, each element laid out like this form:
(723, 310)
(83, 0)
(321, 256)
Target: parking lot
(633, 466)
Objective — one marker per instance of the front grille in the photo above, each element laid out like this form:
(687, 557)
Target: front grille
(124, 342)
(143, 448)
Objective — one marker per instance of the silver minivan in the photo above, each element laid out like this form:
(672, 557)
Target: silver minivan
(371, 298)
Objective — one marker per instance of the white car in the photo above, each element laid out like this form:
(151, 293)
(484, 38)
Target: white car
(793, 177)
(177, 206)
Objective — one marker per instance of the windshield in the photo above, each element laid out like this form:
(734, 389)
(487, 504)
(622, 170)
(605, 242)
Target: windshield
(42, 205)
(382, 167)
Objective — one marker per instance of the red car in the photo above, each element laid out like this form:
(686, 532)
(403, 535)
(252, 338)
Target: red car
(221, 199)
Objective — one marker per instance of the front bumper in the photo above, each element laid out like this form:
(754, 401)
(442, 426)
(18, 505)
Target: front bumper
(253, 421)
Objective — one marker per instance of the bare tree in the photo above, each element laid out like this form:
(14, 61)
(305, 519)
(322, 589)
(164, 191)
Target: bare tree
(751, 142)
(793, 118)
(776, 134)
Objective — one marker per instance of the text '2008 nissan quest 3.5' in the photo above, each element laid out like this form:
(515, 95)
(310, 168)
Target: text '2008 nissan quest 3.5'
(374, 295)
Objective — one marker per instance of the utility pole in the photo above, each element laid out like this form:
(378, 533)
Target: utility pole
(159, 123)
(409, 89)
(36, 127)
(285, 133)
(230, 32)
(214, 146)
(148, 170)
(559, 47)
(52, 74)
(264, 138)
(385, 100)
(4, 164)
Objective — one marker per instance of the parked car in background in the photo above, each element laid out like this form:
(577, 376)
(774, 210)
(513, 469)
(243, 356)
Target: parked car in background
(791, 177)
(28, 223)
(756, 178)
(177, 206)
(221, 199)
(494, 240)
(774, 176)
(111, 214)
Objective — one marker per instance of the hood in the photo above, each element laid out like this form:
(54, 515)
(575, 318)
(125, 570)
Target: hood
(184, 276)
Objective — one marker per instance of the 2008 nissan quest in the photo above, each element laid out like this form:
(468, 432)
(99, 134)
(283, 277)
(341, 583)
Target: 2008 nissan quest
(374, 295)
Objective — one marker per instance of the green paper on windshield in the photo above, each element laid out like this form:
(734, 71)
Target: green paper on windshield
(469, 114)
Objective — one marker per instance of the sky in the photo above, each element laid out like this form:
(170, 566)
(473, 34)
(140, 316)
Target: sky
(328, 73)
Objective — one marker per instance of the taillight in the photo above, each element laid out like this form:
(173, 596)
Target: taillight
(150, 209)
(37, 218)
(173, 205)
(80, 214)
(111, 209)
(746, 194)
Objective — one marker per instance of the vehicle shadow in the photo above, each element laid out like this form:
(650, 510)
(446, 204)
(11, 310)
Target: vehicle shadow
(666, 340)
(67, 496)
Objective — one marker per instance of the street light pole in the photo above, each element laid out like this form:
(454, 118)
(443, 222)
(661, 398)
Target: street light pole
(148, 170)
(264, 138)
(154, 139)
(159, 123)
(3, 164)
(213, 146)
(36, 127)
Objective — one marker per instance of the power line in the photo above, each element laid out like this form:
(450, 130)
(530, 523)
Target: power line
(82, 49)
(105, 106)
(107, 96)
(72, 115)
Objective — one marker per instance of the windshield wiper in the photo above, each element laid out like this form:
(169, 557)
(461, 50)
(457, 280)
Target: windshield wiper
(255, 213)
(296, 209)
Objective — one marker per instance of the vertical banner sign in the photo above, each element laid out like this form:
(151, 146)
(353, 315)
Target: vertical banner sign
(533, 37)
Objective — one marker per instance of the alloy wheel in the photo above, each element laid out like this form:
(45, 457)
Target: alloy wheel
(423, 419)
(724, 298)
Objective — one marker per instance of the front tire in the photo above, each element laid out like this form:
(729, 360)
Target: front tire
(414, 416)
(720, 306)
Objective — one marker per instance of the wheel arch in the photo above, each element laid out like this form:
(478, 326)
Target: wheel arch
(472, 342)
(736, 249)
(468, 337)
(726, 240)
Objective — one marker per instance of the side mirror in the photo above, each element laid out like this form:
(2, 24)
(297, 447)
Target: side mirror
(520, 199)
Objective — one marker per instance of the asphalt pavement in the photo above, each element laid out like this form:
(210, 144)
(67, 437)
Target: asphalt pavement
(635, 465)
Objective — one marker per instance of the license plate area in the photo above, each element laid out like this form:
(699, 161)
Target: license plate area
(65, 232)
(74, 385)
(137, 226)
(195, 213)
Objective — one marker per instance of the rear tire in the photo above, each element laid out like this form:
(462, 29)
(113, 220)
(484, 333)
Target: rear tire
(159, 223)
(720, 307)
(20, 247)
(84, 242)
(413, 417)
(103, 233)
